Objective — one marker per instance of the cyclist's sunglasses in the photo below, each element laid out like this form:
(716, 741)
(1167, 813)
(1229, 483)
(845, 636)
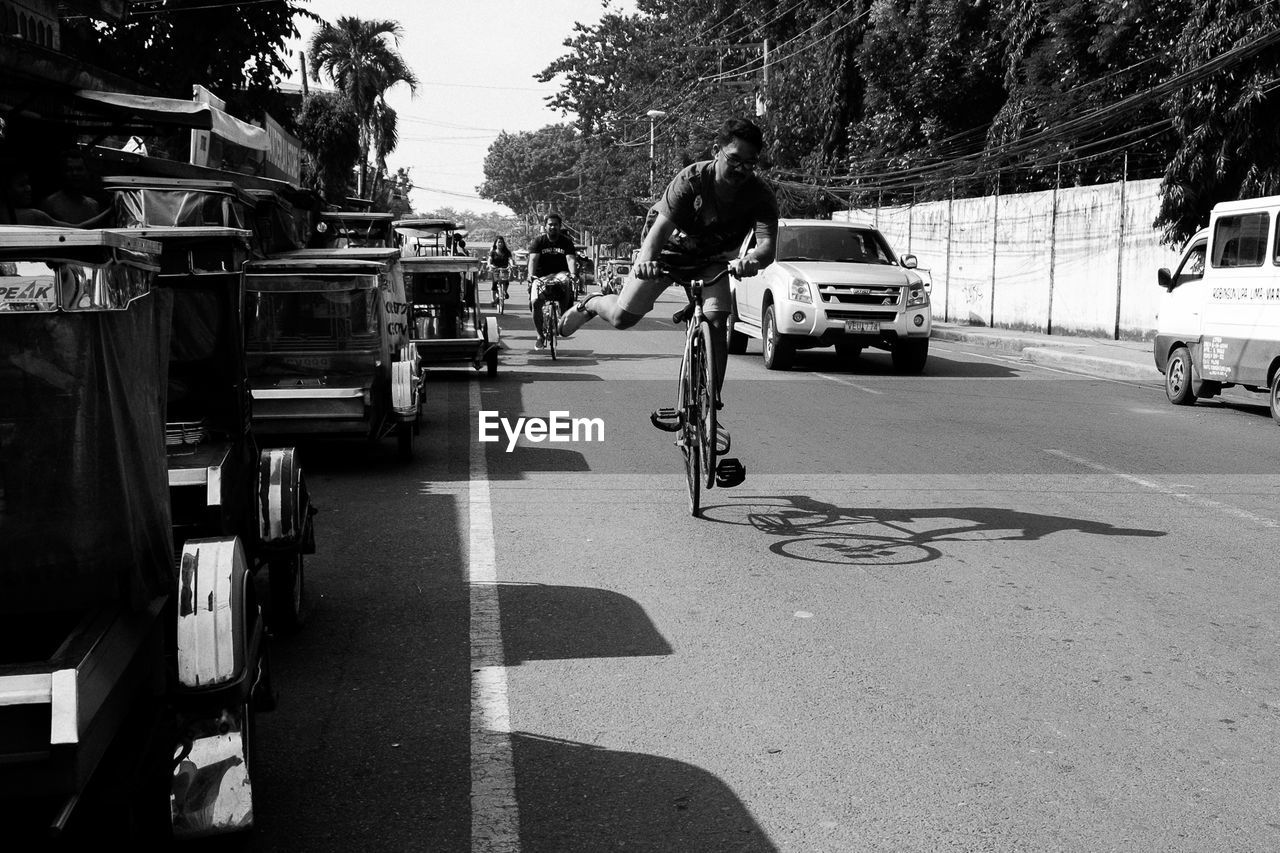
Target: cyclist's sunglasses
(736, 162)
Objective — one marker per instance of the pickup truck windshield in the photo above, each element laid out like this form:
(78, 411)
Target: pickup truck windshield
(833, 245)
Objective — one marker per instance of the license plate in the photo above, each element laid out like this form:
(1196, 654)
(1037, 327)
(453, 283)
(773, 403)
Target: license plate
(852, 326)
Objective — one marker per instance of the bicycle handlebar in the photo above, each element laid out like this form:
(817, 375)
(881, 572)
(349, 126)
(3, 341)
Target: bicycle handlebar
(680, 276)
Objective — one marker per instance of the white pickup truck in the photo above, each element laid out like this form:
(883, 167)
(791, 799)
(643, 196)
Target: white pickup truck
(833, 283)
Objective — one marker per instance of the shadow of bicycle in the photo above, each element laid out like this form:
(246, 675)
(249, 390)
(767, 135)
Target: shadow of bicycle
(815, 531)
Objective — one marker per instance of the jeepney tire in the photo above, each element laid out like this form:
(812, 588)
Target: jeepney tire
(1178, 378)
(778, 351)
(910, 354)
(287, 582)
(404, 441)
(1275, 396)
(737, 340)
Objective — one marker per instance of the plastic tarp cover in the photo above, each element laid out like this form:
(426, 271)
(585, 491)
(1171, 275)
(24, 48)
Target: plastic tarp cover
(84, 500)
(140, 207)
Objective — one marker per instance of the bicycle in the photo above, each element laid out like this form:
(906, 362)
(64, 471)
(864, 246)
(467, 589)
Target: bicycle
(501, 281)
(700, 439)
(550, 306)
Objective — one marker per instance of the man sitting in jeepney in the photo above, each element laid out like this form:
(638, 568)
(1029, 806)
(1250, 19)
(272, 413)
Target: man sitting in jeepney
(551, 252)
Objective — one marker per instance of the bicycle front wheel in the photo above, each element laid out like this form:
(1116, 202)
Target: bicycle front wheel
(551, 325)
(704, 385)
(690, 440)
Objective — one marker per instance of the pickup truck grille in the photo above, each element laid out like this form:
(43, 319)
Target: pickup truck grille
(854, 294)
(841, 314)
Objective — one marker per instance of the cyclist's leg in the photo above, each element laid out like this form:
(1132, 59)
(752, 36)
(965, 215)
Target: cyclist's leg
(633, 301)
(536, 307)
(716, 304)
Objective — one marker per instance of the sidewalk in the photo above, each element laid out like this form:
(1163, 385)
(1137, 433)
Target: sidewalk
(1100, 357)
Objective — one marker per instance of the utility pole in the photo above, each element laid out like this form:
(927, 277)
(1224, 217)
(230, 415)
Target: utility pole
(653, 115)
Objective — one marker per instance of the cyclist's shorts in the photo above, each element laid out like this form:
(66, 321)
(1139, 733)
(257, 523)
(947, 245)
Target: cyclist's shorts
(637, 296)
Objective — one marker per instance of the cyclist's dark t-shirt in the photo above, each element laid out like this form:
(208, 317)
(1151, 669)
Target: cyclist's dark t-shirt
(708, 228)
(552, 254)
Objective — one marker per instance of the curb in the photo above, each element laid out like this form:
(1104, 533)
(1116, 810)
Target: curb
(1065, 354)
(1108, 368)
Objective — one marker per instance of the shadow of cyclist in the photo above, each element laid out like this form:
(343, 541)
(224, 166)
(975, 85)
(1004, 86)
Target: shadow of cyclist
(817, 531)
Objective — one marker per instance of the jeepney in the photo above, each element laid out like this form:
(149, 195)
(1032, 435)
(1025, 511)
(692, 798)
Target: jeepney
(128, 679)
(350, 229)
(328, 346)
(442, 291)
(220, 482)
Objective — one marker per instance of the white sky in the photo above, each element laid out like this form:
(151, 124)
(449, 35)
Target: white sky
(475, 60)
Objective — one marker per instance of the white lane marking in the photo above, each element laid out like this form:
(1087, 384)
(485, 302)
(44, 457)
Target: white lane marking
(1195, 500)
(843, 381)
(495, 817)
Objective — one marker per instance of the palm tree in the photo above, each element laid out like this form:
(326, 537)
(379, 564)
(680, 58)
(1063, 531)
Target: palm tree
(357, 57)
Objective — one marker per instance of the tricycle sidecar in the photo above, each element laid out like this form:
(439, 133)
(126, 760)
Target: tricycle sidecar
(115, 658)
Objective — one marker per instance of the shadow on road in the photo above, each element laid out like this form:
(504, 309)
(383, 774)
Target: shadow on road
(578, 797)
(541, 622)
(816, 531)
(880, 363)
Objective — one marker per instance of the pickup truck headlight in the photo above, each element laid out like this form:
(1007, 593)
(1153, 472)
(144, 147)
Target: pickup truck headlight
(800, 291)
(917, 296)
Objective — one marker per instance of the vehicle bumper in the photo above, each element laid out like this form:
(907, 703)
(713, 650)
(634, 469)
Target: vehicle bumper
(825, 324)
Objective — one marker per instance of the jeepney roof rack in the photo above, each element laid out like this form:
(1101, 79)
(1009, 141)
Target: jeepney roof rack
(18, 238)
(186, 232)
(278, 264)
(425, 225)
(357, 253)
(356, 215)
(179, 184)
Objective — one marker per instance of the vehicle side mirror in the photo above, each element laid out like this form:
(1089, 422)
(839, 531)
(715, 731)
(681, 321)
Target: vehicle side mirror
(1165, 277)
(909, 261)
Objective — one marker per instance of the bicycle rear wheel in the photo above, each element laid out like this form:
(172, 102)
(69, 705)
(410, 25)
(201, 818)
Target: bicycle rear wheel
(705, 389)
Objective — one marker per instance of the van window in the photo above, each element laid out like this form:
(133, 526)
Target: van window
(1192, 268)
(1240, 241)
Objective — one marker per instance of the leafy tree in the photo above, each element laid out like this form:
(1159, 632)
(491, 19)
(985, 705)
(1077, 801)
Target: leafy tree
(1228, 121)
(236, 50)
(330, 135)
(360, 57)
(523, 170)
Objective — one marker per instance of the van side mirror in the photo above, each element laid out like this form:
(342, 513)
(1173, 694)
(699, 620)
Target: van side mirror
(1166, 278)
(909, 262)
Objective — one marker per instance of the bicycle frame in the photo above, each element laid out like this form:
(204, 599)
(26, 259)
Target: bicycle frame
(698, 398)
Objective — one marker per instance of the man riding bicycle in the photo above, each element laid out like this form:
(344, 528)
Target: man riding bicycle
(550, 252)
(697, 225)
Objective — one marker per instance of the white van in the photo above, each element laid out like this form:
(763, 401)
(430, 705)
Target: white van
(1219, 323)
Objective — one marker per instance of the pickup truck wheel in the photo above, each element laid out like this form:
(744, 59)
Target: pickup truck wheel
(288, 593)
(1177, 378)
(910, 354)
(1275, 397)
(777, 349)
(737, 340)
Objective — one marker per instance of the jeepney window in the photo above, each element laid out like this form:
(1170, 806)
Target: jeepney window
(333, 319)
(1240, 240)
(1192, 268)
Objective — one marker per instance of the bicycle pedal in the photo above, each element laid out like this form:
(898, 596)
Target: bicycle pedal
(667, 420)
(730, 473)
(723, 441)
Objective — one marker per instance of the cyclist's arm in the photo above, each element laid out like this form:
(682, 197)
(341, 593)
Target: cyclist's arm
(647, 258)
(533, 263)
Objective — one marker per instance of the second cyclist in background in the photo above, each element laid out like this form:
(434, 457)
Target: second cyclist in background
(550, 252)
(500, 268)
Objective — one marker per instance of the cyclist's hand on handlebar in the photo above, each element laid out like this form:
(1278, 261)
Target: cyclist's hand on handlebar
(645, 270)
(744, 267)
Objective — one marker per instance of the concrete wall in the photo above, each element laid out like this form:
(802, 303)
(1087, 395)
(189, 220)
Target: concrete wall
(1078, 260)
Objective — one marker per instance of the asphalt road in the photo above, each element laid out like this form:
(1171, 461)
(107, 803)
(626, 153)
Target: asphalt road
(994, 607)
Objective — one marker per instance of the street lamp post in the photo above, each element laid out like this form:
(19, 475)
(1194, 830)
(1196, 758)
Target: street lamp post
(653, 115)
